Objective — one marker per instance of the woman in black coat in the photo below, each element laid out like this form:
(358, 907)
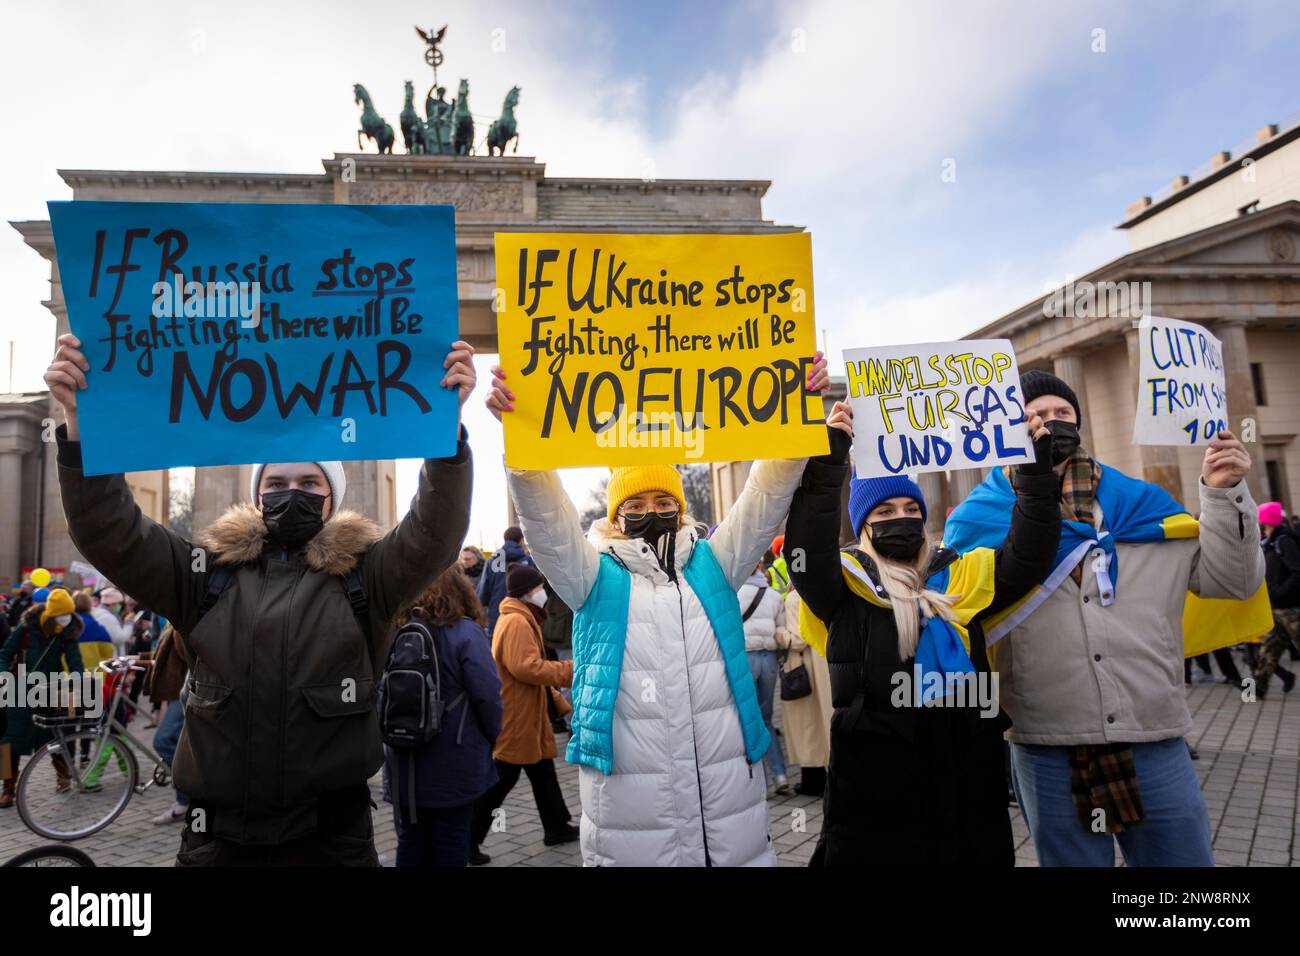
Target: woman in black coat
(916, 774)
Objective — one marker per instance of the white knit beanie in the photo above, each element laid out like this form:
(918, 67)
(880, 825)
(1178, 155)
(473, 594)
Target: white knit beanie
(333, 474)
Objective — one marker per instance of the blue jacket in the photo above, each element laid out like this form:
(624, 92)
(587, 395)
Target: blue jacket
(599, 638)
(492, 585)
(447, 773)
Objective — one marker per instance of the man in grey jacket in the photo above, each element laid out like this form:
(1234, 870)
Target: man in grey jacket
(1091, 673)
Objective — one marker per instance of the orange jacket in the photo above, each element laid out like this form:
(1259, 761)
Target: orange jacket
(526, 679)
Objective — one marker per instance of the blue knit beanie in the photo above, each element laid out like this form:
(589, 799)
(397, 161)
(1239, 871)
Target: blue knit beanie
(866, 493)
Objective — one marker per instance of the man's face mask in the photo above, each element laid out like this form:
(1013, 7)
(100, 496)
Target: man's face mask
(1065, 440)
(292, 516)
(898, 538)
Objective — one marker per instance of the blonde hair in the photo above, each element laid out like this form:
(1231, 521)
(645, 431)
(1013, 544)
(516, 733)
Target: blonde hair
(910, 598)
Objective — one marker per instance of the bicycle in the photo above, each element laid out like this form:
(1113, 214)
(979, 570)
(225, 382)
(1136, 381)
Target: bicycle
(50, 856)
(54, 798)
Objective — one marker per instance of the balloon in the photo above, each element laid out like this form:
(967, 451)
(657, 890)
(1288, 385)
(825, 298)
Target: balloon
(40, 595)
(40, 577)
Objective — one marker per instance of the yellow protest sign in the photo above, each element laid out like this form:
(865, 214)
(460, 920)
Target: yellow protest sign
(641, 349)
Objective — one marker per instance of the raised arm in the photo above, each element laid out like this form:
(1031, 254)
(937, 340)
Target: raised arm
(554, 534)
(427, 541)
(1229, 562)
(1026, 555)
(812, 533)
(753, 521)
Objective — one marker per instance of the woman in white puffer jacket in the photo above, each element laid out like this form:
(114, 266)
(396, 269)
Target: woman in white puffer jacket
(666, 728)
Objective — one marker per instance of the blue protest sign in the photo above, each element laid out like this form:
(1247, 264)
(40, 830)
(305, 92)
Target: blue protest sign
(224, 333)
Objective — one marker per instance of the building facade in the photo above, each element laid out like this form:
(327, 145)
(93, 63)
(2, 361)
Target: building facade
(1219, 247)
(490, 195)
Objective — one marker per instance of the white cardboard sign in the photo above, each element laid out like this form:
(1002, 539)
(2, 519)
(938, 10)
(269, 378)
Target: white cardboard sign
(936, 407)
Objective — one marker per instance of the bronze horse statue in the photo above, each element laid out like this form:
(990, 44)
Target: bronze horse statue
(463, 122)
(372, 124)
(504, 129)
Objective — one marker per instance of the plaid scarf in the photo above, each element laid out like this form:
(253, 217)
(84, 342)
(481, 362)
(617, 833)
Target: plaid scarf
(1102, 778)
(1101, 775)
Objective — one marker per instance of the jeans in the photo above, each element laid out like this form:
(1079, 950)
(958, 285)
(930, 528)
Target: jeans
(167, 736)
(1176, 828)
(763, 665)
(438, 837)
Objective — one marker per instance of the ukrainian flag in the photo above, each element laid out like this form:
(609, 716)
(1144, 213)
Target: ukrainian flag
(1133, 511)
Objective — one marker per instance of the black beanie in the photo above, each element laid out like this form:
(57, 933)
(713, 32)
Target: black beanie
(1034, 383)
(521, 579)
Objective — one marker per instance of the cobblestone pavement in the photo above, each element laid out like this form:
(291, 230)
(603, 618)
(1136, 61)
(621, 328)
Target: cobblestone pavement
(1249, 757)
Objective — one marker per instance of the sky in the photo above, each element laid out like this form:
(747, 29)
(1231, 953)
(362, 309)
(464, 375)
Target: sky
(952, 160)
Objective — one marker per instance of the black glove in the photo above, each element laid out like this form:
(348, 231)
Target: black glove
(1042, 463)
(840, 445)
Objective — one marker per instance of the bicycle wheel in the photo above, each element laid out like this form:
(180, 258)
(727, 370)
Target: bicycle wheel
(63, 801)
(51, 856)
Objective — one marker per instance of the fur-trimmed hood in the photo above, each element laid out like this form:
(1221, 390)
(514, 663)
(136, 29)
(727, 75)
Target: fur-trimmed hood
(237, 537)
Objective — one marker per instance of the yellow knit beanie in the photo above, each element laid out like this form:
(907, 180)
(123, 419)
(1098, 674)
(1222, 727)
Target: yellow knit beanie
(59, 602)
(632, 480)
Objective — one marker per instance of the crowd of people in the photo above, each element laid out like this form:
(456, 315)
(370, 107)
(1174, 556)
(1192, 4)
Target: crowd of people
(657, 648)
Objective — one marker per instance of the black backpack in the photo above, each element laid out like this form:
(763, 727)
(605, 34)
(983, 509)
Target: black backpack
(411, 707)
(410, 701)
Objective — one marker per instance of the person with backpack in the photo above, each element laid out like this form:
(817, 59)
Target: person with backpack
(45, 642)
(666, 726)
(762, 615)
(492, 582)
(527, 742)
(1282, 575)
(438, 757)
(284, 624)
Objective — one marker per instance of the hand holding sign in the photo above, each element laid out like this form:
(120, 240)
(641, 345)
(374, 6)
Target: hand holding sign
(67, 374)
(1226, 461)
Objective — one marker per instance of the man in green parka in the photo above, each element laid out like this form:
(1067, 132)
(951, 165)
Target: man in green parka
(281, 733)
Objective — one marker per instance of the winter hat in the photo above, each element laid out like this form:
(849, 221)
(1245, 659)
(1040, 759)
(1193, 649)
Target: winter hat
(521, 579)
(110, 596)
(40, 595)
(866, 493)
(59, 603)
(637, 479)
(777, 544)
(333, 474)
(1271, 514)
(1034, 383)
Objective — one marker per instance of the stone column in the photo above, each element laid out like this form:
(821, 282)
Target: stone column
(963, 482)
(1241, 398)
(1069, 369)
(931, 483)
(11, 525)
(1159, 462)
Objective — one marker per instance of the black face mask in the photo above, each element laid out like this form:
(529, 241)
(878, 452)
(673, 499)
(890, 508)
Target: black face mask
(1065, 440)
(293, 516)
(898, 538)
(658, 532)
